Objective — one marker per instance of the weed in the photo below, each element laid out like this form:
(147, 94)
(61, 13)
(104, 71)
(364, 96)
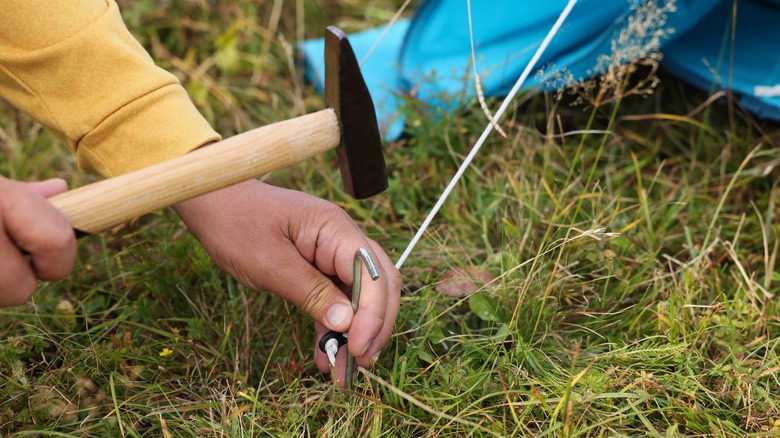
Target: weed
(631, 252)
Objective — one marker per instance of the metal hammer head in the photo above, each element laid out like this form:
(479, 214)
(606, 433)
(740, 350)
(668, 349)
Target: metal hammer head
(361, 160)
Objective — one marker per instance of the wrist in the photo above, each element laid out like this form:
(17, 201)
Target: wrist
(212, 200)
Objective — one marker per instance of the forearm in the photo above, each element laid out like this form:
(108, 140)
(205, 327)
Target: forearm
(76, 69)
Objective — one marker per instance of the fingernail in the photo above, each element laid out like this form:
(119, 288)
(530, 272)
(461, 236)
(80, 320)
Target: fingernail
(337, 315)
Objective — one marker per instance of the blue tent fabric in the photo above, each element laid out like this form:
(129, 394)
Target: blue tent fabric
(700, 58)
(429, 58)
(380, 71)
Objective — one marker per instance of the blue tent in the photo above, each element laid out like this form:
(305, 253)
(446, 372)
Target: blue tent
(429, 57)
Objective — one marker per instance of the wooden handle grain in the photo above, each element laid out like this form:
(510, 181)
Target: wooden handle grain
(99, 206)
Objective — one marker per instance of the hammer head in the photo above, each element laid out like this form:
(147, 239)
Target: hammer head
(361, 160)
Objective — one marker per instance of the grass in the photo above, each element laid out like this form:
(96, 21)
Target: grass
(631, 276)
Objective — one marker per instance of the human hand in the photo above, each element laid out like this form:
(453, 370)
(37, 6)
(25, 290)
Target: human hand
(302, 249)
(29, 224)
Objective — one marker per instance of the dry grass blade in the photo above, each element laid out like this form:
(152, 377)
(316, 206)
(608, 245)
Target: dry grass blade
(668, 328)
(423, 406)
(385, 31)
(477, 83)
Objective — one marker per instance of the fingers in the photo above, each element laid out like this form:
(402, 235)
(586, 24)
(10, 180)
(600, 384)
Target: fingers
(337, 243)
(375, 309)
(17, 280)
(393, 294)
(48, 188)
(41, 230)
(328, 239)
(373, 323)
(371, 355)
(29, 224)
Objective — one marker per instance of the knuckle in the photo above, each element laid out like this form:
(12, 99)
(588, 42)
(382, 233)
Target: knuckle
(61, 237)
(333, 214)
(318, 216)
(318, 296)
(58, 237)
(330, 208)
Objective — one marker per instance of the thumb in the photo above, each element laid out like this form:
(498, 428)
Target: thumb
(49, 187)
(311, 291)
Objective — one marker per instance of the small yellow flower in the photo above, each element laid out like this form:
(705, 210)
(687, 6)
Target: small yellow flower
(165, 352)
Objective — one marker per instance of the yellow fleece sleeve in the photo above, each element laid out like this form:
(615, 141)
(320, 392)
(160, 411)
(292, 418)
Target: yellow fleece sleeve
(74, 67)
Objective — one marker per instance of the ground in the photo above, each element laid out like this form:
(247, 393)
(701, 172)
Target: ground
(616, 282)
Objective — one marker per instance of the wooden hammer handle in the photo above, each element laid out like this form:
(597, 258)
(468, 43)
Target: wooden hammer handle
(99, 206)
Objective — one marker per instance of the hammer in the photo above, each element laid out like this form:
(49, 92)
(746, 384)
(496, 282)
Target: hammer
(348, 124)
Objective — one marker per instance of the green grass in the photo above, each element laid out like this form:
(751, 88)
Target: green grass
(664, 323)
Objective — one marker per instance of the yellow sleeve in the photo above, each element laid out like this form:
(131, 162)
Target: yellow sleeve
(74, 67)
